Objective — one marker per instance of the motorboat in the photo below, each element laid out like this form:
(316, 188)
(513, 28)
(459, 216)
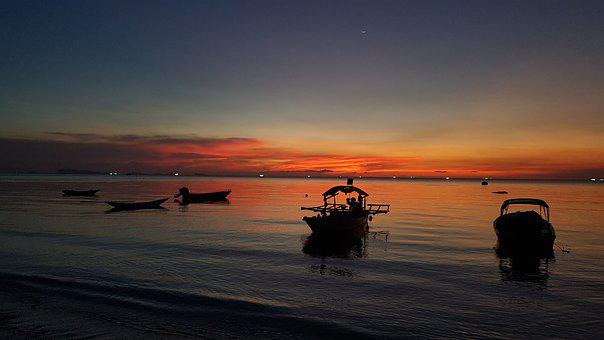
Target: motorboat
(526, 230)
(188, 197)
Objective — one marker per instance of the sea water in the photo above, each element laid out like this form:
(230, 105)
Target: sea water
(244, 268)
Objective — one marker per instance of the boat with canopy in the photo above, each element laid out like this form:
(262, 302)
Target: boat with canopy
(527, 229)
(344, 219)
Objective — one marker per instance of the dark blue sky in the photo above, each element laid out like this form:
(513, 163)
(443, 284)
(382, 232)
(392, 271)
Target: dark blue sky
(423, 74)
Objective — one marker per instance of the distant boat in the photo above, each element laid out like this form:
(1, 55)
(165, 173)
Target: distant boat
(137, 205)
(485, 183)
(87, 193)
(188, 197)
(343, 219)
(525, 230)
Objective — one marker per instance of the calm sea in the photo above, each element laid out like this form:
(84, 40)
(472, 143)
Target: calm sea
(247, 268)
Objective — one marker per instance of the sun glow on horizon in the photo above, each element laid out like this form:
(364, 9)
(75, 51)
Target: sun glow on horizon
(245, 156)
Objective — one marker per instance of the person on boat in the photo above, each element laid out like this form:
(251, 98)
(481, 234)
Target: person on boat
(184, 192)
(355, 206)
(351, 202)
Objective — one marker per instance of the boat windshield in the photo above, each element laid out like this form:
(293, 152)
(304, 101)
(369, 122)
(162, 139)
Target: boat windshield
(543, 206)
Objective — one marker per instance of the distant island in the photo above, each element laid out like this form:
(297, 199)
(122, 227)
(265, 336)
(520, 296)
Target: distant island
(78, 172)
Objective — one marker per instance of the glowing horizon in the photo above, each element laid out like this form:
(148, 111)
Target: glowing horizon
(248, 156)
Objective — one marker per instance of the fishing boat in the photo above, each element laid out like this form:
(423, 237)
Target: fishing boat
(525, 230)
(334, 218)
(87, 193)
(188, 197)
(137, 205)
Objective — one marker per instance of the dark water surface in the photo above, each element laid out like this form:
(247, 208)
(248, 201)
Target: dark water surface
(428, 269)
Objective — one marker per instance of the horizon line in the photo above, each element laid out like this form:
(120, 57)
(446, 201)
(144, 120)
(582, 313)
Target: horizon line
(268, 175)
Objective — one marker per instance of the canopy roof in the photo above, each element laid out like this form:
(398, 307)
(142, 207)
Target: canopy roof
(347, 189)
(533, 201)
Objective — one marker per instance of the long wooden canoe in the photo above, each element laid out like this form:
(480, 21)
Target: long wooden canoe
(137, 205)
(87, 193)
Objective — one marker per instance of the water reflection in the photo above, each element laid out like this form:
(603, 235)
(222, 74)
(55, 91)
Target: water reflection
(324, 269)
(335, 246)
(524, 265)
(184, 205)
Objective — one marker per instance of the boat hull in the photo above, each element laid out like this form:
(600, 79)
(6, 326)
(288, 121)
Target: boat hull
(217, 196)
(137, 205)
(338, 225)
(85, 193)
(524, 231)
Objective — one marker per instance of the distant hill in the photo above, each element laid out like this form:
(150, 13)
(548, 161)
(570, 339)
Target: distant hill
(78, 172)
(136, 174)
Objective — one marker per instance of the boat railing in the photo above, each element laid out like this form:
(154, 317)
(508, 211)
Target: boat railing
(375, 208)
(326, 207)
(371, 208)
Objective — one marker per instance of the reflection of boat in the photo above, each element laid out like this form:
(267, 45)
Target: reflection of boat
(188, 197)
(137, 205)
(87, 193)
(522, 262)
(343, 219)
(526, 269)
(525, 231)
(345, 247)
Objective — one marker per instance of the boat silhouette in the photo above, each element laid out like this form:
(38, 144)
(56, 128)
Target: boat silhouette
(188, 197)
(351, 218)
(524, 231)
(85, 193)
(119, 206)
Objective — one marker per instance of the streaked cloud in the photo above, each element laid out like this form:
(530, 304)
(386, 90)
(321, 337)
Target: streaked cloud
(249, 156)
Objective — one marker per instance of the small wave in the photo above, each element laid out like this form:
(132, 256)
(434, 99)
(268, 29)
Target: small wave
(118, 243)
(104, 298)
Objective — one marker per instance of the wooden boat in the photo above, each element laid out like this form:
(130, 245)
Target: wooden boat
(525, 230)
(87, 193)
(343, 219)
(137, 205)
(188, 197)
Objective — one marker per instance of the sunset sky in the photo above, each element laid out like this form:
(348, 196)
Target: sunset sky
(507, 89)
